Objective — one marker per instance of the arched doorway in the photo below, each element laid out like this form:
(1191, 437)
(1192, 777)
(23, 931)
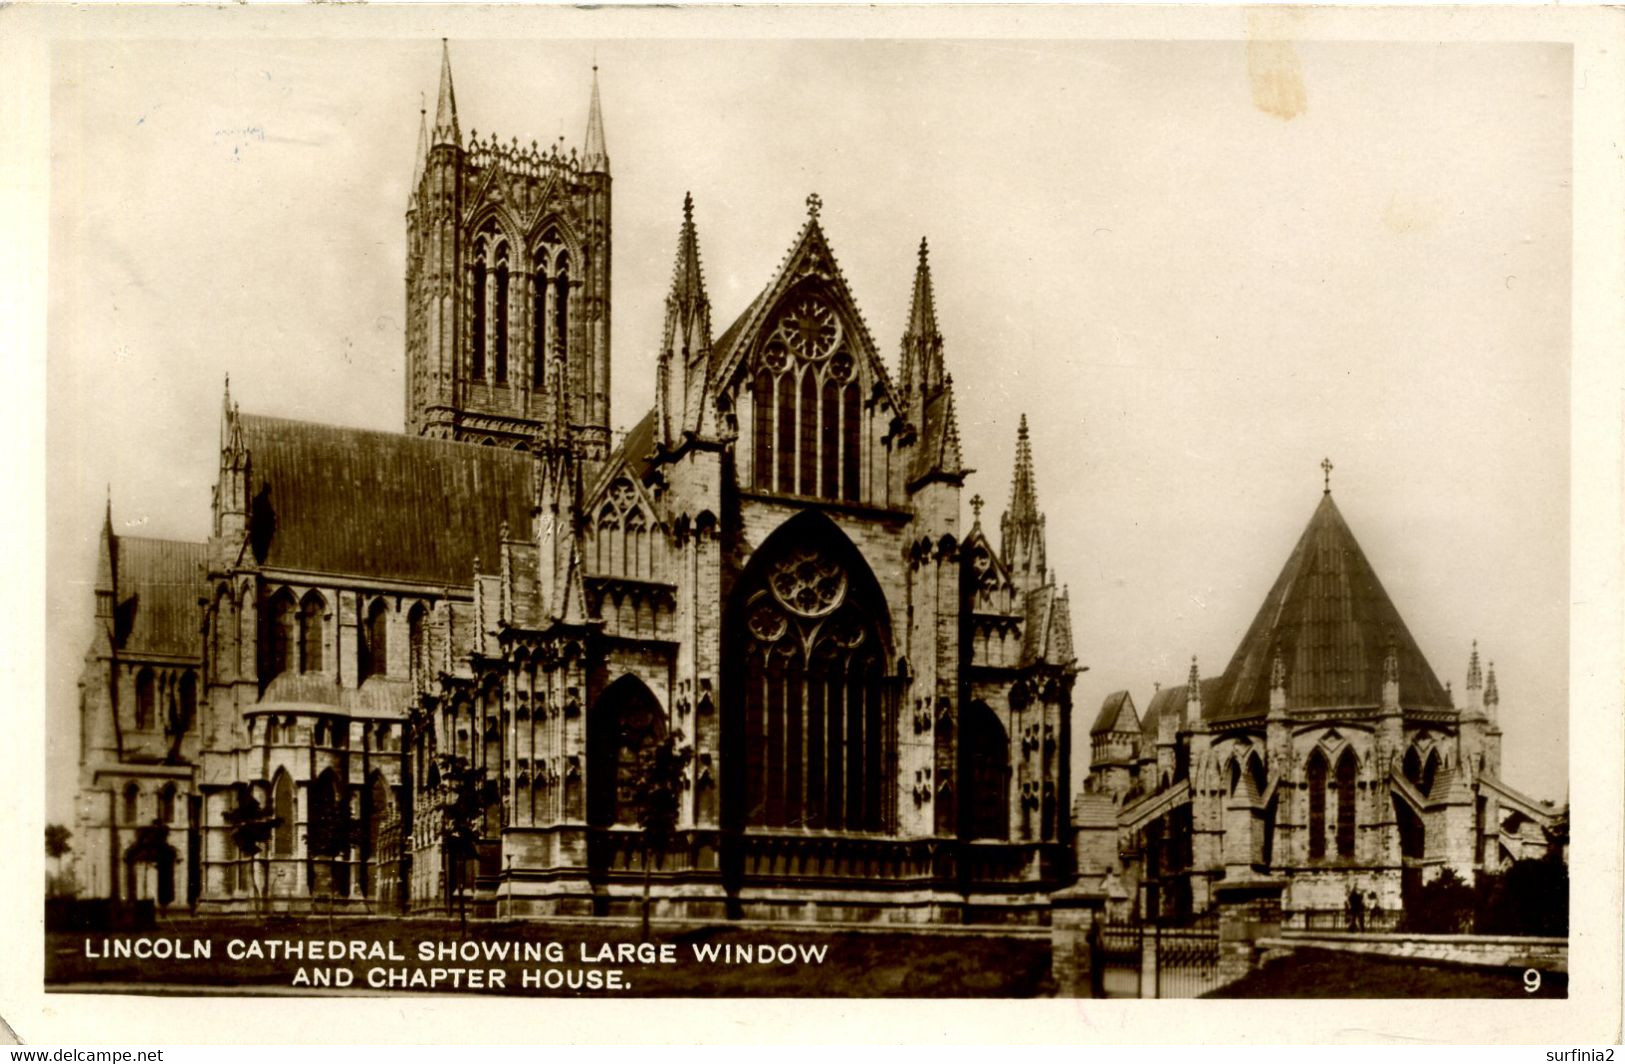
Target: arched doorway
(984, 754)
(626, 721)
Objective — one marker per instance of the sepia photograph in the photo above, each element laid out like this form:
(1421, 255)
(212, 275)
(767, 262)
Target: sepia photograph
(704, 515)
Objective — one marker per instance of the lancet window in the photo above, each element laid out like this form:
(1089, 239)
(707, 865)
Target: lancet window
(489, 277)
(550, 304)
(281, 635)
(807, 407)
(310, 632)
(374, 646)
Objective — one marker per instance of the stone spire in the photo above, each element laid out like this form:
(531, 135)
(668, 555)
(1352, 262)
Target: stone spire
(922, 367)
(1021, 529)
(595, 157)
(423, 151)
(1492, 693)
(446, 129)
(106, 563)
(686, 348)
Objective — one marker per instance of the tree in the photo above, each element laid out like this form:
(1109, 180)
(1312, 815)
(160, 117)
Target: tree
(467, 792)
(56, 847)
(331, 833)
(657, 790)
(251, 828)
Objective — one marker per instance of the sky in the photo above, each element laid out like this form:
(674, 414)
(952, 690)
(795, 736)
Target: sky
(1198, 268)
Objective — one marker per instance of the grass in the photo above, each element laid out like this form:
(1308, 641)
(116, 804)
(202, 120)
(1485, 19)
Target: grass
(857, 963)
(1314, 973)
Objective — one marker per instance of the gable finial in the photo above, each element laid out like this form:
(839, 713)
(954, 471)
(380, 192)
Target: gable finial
(1326, 468)
(976, 507)
(815, 203)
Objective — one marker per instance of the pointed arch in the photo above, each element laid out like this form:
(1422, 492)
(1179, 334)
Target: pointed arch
(374, 640)
(1411, 766)
(1257, 773)
(281, 635)
(1430, 772)
(282, 810)
(1346, 781)
(1314, 774)
(623, 725)
(145, 699)
(312, 609)
(417, 634)
(984, 749)
(807, 642)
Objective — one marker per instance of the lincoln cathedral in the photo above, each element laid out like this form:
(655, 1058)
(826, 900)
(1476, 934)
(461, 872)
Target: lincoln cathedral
(770, 569)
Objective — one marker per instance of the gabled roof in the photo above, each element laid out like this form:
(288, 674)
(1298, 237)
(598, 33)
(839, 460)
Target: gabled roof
(1111, 716)
(381, 504)
(637, 450)
(1171, 699)
(1332, 623)
(159, 583)
(810, 257)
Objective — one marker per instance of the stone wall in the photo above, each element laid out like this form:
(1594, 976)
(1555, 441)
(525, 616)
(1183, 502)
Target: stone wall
(1495, 951)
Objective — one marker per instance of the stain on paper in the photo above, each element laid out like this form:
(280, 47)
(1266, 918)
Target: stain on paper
(1276, 76)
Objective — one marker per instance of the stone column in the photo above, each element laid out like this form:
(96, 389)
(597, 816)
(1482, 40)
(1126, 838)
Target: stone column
(1072, 913)
(1249, 910)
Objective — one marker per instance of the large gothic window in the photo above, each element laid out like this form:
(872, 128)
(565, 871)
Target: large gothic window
(624, 725)
(808, 730)
(984, 750)
(806, 425)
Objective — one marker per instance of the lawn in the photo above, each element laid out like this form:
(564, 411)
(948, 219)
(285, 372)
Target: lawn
(853, 964)
(1313, 973)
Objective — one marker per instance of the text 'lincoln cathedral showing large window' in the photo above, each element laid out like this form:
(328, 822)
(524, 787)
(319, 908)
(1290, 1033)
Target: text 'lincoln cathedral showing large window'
(807, 404)
(809, 724)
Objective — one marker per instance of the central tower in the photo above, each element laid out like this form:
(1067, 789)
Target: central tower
(507, 286)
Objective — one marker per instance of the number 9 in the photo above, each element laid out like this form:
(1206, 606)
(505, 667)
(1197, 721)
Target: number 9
(1531, 980)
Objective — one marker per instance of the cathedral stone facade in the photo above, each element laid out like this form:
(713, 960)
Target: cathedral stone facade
(1327, 755)
(771, 563)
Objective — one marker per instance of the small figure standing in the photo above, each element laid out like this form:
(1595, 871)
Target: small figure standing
(1374, 907)
(1356, 913)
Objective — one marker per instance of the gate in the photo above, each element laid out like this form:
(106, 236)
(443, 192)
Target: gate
(1188, 957)
(1166, 959)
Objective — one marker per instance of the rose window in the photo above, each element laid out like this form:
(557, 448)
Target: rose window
(808, 584)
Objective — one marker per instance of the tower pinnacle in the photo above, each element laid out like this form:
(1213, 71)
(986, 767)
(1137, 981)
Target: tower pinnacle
(446, 129)
(1022, 527)
(595, 156)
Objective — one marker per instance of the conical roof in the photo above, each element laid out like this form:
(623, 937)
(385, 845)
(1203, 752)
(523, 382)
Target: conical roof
(1332, 623)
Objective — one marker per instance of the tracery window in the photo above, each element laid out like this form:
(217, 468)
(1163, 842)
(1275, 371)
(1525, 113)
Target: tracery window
(807, 411)
(624, 543)
(809, 719)
(626, 723)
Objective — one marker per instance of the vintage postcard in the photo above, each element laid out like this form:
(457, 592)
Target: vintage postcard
(1044, 506)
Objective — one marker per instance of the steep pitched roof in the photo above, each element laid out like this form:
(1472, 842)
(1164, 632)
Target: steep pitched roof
(1171, 699)
(159, 583)
(1111, 719)
(1333, 623)
(938, 447)
(381, 504)
(637, 449)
